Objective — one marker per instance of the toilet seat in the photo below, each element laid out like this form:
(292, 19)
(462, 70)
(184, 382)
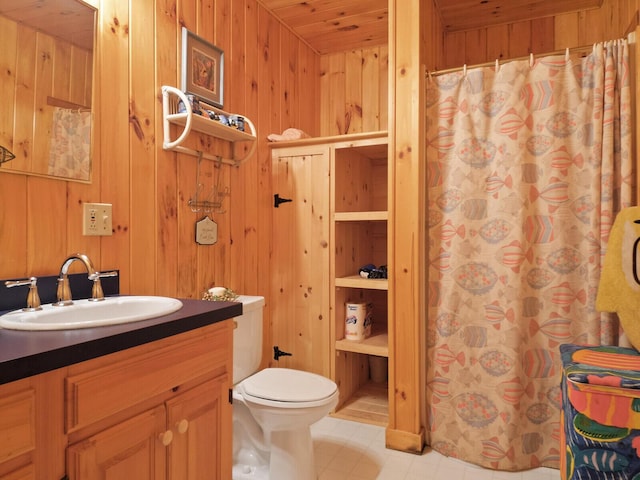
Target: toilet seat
(287, 388)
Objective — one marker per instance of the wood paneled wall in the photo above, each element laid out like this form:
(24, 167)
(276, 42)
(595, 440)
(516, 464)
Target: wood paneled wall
(270, 76)
(354, 91)
(538, 36)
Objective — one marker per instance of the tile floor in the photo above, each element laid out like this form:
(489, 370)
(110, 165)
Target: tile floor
(347, 450)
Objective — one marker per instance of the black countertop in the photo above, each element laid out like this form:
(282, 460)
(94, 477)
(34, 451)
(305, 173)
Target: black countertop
(27, 353)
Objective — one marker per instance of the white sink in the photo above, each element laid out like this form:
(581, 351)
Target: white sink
(86, 314)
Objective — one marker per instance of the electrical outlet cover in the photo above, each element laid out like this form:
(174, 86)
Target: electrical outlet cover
(96, 219)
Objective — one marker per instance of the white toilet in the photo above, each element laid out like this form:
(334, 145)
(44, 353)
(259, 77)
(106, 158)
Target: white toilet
(274, 408)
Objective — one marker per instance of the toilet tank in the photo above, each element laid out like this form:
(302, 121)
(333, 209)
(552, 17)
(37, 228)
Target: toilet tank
(247, 338)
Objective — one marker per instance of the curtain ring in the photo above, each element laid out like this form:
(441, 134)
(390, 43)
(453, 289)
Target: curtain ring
(497, 66)
(531, 60)
(464, 70)
(566, 55)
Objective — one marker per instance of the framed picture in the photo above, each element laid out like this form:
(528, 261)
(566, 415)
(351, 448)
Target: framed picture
(202, 69)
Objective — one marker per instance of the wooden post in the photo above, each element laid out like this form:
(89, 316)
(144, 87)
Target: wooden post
(407, 212)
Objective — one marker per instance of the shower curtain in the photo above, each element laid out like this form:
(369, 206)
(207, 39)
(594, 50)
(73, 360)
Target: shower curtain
(528, 164)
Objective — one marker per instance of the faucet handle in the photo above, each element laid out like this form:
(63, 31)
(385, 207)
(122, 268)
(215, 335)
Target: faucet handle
(97, 293)
(63, 292)
(33, 299)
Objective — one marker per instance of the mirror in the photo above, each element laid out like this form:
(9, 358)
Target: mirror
(47, 51)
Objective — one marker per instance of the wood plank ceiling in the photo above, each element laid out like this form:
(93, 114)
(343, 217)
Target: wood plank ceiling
(341, 25)
(326, 25)
(71, 21)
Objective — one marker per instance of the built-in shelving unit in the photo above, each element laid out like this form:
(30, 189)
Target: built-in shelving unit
(359, 228)
(358, 235)
(172, 115)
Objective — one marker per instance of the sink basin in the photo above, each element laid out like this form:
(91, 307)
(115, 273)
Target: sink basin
(86, 314)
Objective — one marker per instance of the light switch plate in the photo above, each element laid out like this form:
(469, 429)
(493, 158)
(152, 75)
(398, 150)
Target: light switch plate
(96, 219)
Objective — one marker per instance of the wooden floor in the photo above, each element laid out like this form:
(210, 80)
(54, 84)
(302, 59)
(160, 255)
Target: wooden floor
(370, 405)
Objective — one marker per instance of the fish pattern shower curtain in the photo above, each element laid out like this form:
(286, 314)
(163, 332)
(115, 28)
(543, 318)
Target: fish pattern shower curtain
(527, 167)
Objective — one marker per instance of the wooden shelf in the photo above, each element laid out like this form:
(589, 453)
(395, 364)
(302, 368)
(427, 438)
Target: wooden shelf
(190, 121)
(369, 404)
(361, 216)
(376, 344)
(207, 126)
(356, 281)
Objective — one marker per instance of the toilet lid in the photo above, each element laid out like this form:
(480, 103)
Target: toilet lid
(287, 385)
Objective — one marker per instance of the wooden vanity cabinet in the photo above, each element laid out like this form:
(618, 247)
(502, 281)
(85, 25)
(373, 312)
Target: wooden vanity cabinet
(157, 411)
(180, 439)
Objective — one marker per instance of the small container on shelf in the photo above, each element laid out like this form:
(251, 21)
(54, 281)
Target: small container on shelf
(378, 368)
(358, 321)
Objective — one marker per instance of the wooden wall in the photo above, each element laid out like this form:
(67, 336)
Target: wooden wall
(354, 91)
(273, 78)
(270, 76)
(537, 36)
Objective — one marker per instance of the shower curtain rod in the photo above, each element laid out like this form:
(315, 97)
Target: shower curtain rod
(584, 50)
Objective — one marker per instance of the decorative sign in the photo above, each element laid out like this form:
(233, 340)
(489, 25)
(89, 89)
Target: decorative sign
(206, 232)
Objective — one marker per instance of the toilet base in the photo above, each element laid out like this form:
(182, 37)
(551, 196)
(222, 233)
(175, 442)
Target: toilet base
(291, 458)
(292, 455)
(248, 472)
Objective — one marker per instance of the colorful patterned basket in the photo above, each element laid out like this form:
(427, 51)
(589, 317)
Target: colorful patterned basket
(600, 435)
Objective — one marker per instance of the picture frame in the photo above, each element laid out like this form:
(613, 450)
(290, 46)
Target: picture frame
(202, 69)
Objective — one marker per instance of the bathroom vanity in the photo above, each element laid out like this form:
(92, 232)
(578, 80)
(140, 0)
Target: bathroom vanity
(145, 400)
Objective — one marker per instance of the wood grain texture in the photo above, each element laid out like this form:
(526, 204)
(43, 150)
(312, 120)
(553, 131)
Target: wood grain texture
(407, 248)
(354, 89)
(332, 26)
(456, 14)
(538, 35)
(300, 277)
(153, 242)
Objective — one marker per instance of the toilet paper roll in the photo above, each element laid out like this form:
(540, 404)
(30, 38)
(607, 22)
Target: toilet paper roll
(358, 321)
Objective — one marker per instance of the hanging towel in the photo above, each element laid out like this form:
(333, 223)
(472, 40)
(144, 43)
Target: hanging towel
(70, 144)
(619, 287)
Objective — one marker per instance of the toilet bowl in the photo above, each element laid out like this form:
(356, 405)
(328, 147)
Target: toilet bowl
(273, 409)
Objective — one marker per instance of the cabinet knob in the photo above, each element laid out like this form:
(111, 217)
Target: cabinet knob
(182, 425)
(166, 437)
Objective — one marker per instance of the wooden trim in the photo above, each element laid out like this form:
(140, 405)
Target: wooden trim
(57, 102)
(406, 243)
(351, 137)
(405, 441)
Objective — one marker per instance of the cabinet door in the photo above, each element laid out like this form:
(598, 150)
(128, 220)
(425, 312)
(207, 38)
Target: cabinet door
(17, 424)
(17, 434)
(201, 421)
(24, 473)
(131, 449)
(299, 299)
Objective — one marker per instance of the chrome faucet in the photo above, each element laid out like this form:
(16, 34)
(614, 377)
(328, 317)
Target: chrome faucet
(64, 291)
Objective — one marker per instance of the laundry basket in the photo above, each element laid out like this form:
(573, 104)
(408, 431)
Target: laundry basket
(600, 431)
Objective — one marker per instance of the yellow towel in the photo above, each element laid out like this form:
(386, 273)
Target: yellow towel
(619, 289)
